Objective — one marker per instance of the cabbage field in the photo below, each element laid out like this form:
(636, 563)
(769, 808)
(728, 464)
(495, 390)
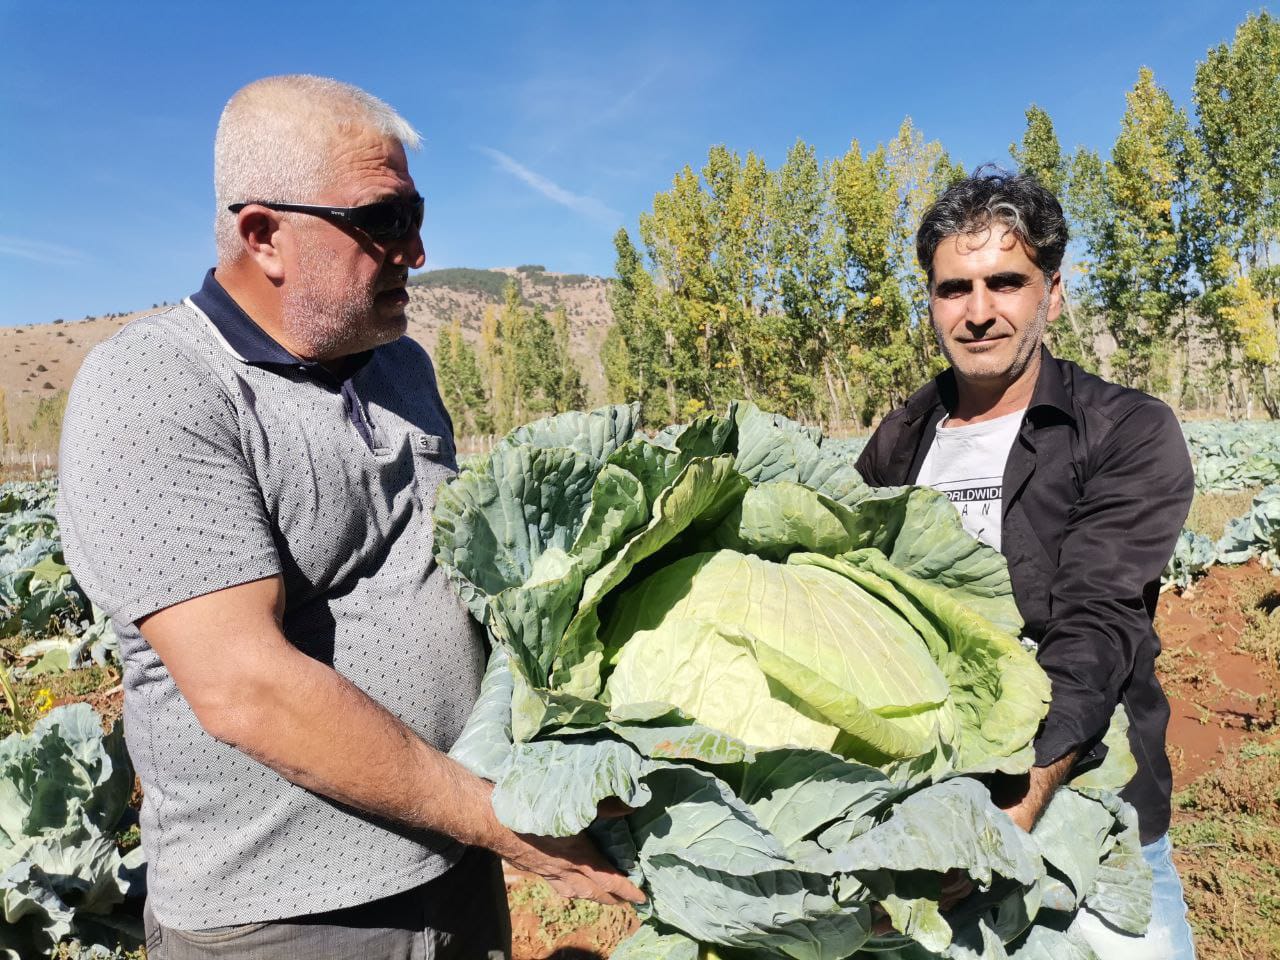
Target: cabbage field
(672, 614)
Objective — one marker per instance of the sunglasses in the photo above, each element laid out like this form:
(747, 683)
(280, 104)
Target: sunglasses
(383, 222)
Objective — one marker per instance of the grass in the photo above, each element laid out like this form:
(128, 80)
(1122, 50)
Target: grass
(80, 684)
(1211, 511)
(1260, 604)
(1227, 830)
(556, 916)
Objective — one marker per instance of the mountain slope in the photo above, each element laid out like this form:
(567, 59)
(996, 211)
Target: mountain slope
(39, 360)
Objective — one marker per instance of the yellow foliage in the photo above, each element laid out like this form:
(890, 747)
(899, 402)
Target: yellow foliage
(1223, 262)
(1252, 315)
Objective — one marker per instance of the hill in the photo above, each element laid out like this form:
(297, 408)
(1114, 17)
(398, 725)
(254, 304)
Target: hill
(38, 361)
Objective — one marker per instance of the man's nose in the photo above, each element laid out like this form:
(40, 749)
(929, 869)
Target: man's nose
(979, 306)
(409, 251)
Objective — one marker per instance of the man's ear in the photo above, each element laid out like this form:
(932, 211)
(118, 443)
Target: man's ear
(1055, 296)
(261, 233)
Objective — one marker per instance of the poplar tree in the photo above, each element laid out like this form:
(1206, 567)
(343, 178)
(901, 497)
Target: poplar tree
(1139, 257)
(1040, 153)
(639, 361)
(697, 351)
(565, 389)
(875, 334)
(879, 199)
(1237, 98)
(803, 299)
(446, 373)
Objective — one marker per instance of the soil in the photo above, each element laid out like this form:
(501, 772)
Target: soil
(545, 926)
(1219, 696)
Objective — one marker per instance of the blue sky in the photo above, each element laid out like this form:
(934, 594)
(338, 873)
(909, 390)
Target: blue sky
(547, 125)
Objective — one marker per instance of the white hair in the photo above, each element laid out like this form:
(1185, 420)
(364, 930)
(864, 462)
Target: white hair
(275, 143)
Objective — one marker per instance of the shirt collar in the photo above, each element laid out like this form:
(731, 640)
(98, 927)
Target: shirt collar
(1050, 391)
(241, 337)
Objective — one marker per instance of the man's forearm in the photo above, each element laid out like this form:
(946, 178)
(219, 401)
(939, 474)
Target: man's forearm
(318, 730)
(1025, 798)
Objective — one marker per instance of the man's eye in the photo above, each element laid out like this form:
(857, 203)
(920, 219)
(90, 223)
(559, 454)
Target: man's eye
(1006, 285)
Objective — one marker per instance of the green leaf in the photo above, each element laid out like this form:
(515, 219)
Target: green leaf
(685, 663)
(484, 746)
(493, 523)
(700, 496)
(796, 793)
(596, 434)
(1000, 692)
(55, 661)
(1119, 765)
(952, 825)
(648, 944)
(552, 789)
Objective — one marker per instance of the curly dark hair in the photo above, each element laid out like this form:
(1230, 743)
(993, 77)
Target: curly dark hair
(992, 195)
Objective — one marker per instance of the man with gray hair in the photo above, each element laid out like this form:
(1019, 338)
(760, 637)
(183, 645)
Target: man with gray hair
(1083, 485)
(247, 486)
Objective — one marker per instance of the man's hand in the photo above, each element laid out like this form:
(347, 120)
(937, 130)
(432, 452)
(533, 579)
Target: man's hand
(252, 689)
(1024, 797)
(573, 866)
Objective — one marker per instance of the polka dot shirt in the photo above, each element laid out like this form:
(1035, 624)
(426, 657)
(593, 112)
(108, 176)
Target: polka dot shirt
(195, 458)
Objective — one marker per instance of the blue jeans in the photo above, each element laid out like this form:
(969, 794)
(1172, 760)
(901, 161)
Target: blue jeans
(1168, 937)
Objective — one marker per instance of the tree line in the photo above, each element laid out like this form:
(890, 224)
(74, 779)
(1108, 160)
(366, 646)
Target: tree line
(521, 370)
(797, 287)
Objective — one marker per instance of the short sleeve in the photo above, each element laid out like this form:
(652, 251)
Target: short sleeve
(157, 503)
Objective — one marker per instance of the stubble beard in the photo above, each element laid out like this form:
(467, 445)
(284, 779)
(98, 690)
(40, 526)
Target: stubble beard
(331, 319)
(1027, 344)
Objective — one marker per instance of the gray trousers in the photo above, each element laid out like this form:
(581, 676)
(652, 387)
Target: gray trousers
(460, 914)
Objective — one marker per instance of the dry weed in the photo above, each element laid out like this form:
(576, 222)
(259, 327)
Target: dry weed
(1227, 833)
(1211, 511)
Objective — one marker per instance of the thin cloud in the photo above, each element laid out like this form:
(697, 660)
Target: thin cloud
(622, 105)
(37, 250)
(587, 206)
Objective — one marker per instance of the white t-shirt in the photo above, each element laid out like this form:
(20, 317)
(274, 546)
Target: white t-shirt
(967, 464)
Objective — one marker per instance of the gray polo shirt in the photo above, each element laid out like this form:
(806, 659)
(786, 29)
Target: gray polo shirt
(198, 454)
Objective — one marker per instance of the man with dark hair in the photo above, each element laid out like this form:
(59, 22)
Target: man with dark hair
(1081, 483)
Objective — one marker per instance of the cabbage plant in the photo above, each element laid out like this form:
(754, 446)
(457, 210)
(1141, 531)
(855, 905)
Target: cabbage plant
(798, 684)
(1256, 534)
(37, 592)
(1193, 555)
(64, 792)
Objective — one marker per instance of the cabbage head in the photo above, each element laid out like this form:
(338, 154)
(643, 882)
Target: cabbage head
(796, 681)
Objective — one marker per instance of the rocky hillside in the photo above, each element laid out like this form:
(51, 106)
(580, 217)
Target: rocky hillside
(439, 297)
(38, 360)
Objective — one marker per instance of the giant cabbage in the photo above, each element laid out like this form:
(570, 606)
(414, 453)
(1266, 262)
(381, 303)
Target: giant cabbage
(798, 683)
